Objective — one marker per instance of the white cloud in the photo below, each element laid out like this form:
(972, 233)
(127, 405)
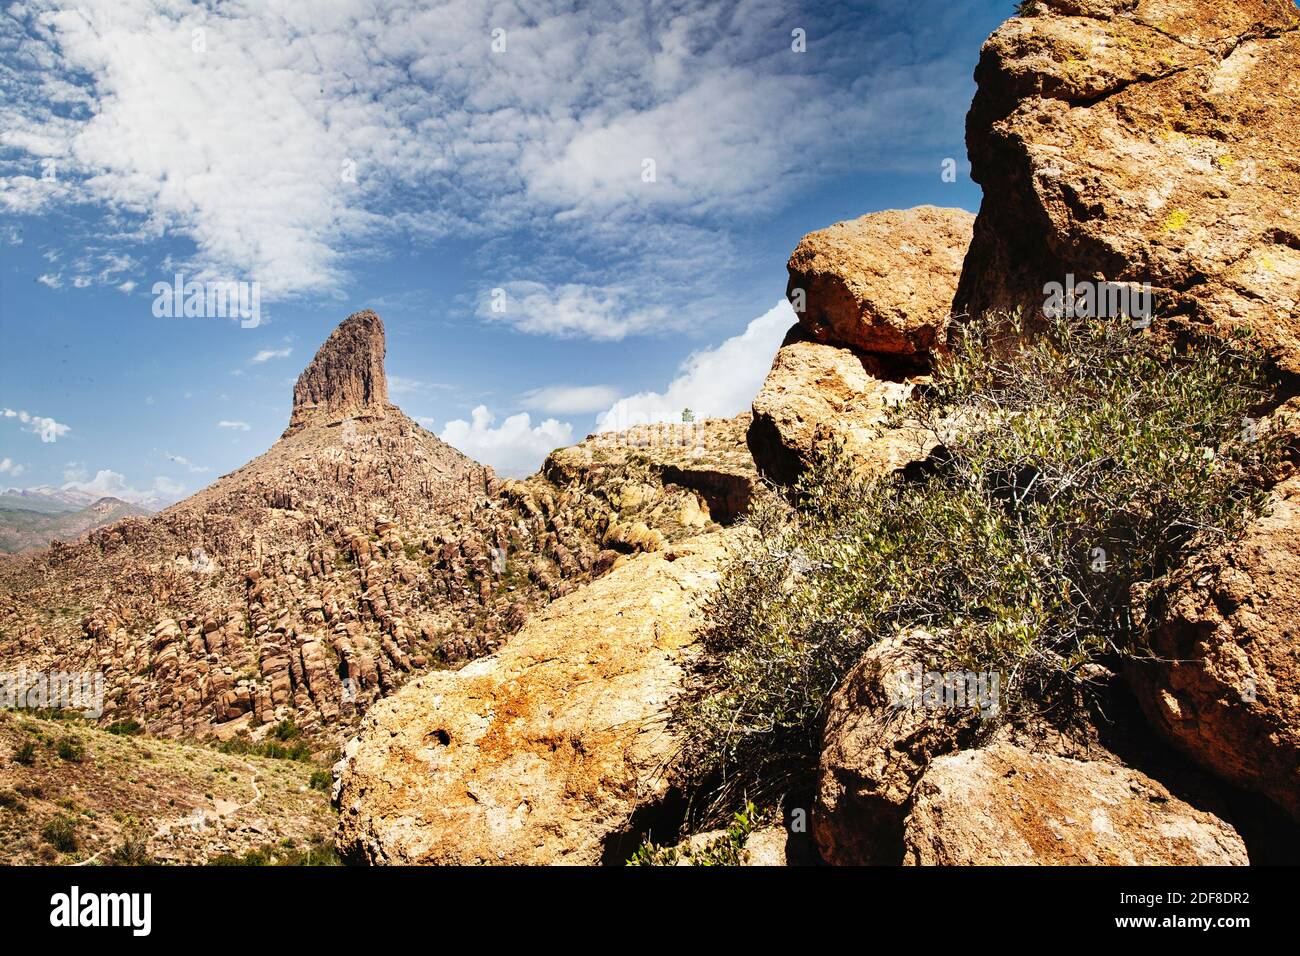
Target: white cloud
(300, 133)
(47, 428)
(515, 448)
(715, 383)
(570, 310)
(51, 280)
(186, 463)
(570, 399)
(128, 286)
(7, 467)
(400, 385)
(267, 354)
(111, 484)
(234, 426)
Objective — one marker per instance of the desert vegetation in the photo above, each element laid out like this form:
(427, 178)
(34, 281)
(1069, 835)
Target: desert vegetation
(1076, 464)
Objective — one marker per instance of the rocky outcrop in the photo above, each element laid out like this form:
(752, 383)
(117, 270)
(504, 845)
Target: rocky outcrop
(1223, 678)
(873, 298)
(1004, 805)
(346, 378)
(950, 780)
(676, 478)
(546, 752)
(1150, 141)
(818, 393)
(881, 283)
(874, 749)
(1154, 142)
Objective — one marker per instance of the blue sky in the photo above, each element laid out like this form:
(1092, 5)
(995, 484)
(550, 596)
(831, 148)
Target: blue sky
(428, 161)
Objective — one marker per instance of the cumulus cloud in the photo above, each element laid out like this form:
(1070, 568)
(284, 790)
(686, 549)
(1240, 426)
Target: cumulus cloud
(570, 399)
(714, 383)
(47, 428)
(234, 426)
(267, 354)
(516, 447)
(111, 484)
(7, 467)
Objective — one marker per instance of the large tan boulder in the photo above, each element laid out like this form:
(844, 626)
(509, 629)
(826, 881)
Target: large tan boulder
(1003, 805)
(817, 393)
(1223, 683)
(873, 752)
(545, 751)
(1150, 141)
(883, 282)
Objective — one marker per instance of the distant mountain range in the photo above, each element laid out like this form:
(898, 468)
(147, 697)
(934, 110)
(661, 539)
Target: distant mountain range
(46, 499)
(31, 518)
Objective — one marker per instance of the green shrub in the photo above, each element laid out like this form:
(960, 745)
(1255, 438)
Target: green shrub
(125, 728)
(1073, 464)
(321, 780)
(71, 749)
(132, 851)
(725, 850)
(319, 851)
(61, 833)
(273, 747)
(25, 753)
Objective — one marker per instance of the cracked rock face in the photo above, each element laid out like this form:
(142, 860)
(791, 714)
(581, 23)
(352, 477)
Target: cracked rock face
(883, 282)
(346, 378)
(1223, 683)
(1150, 141)
(818, 393)
(543, 752)
(873, 297)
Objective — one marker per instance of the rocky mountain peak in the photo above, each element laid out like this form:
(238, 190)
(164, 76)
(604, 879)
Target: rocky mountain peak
(346, 378)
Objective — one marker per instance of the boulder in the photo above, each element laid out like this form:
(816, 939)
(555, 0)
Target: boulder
(1005, 805)
(547, 751)
(874, 749)
(883, 282)
(1223, 679)
(816, 393)
(1150, 141)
